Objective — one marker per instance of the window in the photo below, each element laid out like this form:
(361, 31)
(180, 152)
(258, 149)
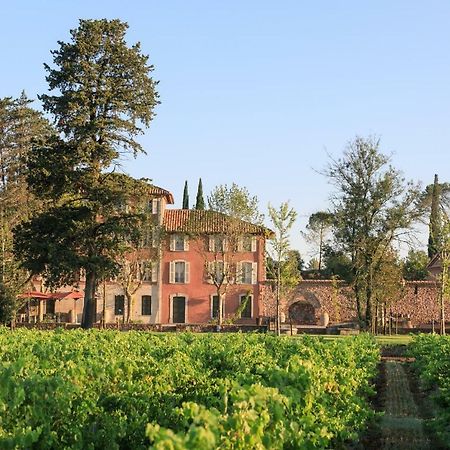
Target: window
(147, 237)
(247, 311)
(179, 243)
(179, 272)
(217, 243)
(144, 272)
(246, 272)
(247, 244)
(50, 306)
(216, 272)
(146, 303)
(119, 305)
(155, 206)
(215, 307)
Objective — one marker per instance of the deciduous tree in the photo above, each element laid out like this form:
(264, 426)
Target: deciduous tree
(373, 207)
(287, 275)
(235, 201)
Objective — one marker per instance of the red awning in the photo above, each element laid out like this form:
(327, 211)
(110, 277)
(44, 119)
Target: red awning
(35, 294)
(72, 294)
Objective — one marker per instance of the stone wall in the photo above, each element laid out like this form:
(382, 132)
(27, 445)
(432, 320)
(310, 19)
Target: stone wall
(418, 302)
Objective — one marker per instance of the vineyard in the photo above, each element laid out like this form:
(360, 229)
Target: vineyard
(88, 390)
(432, 353)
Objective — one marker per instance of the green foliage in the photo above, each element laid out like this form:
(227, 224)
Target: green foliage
(117, 390)
(105, 91)
(432, 353)
(200, 201)
(415, 265)
(236, 202)
(337, 264)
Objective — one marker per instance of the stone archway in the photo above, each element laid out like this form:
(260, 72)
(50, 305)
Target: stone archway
(302, 313)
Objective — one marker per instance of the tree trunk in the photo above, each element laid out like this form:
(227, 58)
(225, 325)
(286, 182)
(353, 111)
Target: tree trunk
(278, 324)
(129, 298)
(356, 290)
(320, 249)
(88, 317)
(220, 318)
(369, 305)
(442, 308)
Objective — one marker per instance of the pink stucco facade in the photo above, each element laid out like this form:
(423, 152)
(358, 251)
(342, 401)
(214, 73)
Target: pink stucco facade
(198, 292)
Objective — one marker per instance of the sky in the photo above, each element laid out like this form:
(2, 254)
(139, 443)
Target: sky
(262, 93)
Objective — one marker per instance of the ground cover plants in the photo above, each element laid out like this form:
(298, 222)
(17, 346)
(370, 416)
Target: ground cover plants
(109, 389)
(432, 353)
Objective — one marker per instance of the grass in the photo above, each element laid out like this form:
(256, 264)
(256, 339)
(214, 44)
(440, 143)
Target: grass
(399, 339)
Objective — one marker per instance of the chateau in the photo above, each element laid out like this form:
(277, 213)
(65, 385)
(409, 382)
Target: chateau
(190, 257)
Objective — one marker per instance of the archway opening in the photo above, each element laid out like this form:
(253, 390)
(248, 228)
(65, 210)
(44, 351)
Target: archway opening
(302, 313)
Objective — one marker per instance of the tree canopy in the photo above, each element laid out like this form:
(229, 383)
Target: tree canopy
(236, 202)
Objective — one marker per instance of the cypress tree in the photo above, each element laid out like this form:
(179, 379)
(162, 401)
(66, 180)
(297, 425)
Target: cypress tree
(200, 202)
(435, 233)
(186, 196)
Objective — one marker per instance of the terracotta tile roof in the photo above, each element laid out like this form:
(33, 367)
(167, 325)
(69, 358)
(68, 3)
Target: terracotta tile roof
(207, 222)
(160, 192)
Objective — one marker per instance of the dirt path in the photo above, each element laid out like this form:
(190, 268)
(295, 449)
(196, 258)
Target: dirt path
(402, 425)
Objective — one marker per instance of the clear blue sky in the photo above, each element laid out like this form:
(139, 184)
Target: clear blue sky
(258, 92)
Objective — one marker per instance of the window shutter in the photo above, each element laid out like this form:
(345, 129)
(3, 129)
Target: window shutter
(225, 244)
(154, 273)
(240, 245)
(154, 238)
(254, 273)
(239, 273)
(186, 243)
(172, 243)
(186, 272)
(211, 243)
(155, 206)
(172, 272)
(253, 243)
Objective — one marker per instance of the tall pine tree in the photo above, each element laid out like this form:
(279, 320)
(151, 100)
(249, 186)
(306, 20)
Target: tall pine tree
(20, 127)
(200, 201)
